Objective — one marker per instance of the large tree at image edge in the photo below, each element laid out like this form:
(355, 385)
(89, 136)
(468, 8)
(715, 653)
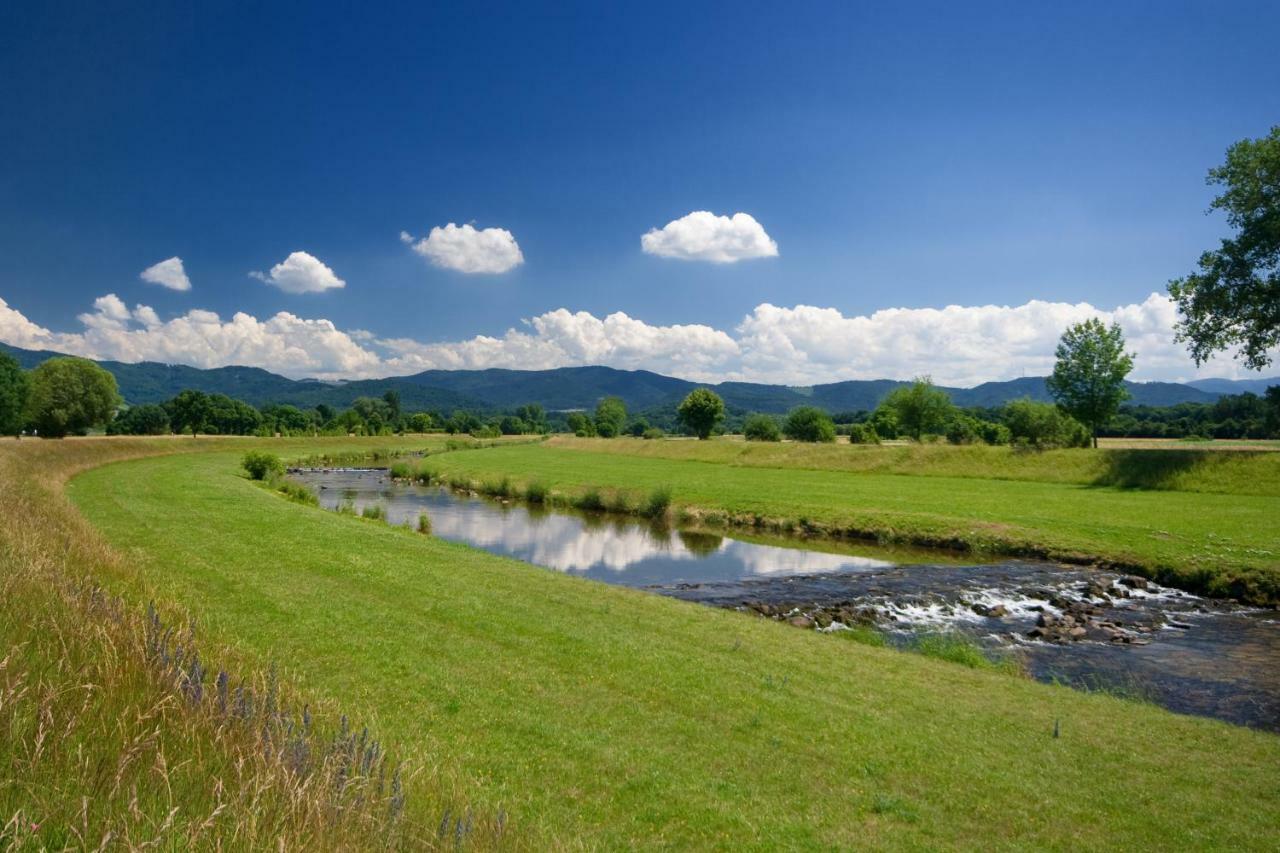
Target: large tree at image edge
(1233, 300)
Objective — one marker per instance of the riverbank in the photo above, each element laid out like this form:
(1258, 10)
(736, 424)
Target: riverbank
(617, 718)
(1206, 541)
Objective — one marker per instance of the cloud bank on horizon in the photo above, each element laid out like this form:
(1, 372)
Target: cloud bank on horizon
(802, 345)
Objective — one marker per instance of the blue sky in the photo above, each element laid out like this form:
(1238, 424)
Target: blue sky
(911, 157)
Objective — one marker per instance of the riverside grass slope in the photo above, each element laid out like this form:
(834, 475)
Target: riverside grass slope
(104, 742)
(1202, 520)
(600, 716)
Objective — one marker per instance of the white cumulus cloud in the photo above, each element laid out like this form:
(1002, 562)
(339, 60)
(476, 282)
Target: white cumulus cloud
(300, 273)
(800, 345)
(466, 249)
(283, 343)
(562, 338)
(169, 273)
(703, 236)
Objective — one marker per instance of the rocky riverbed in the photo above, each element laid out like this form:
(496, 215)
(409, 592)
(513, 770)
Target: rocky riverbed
(1088, 628)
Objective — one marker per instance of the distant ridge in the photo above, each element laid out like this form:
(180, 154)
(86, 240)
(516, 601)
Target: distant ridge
(582, 387)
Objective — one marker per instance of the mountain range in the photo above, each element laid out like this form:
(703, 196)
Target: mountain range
(568, 388)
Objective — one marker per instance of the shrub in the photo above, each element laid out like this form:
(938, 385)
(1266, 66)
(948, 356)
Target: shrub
(653, 432)
(863, 434)
(401, 471)
(963, 430)
(424, 524)
(590, 500)
(536, 493)
(375, 512)
(809, 423)
(619, 502)
(761, 428)
(658, 502)
(1043, 425)
(993, 433)
(261, 465)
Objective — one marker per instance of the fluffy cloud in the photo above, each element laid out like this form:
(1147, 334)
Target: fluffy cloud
(284, 343)
(801, 345)
(463, 248)
(168, 274)
(560, 338)
(957, 345)
(300, 273)
(703, 236)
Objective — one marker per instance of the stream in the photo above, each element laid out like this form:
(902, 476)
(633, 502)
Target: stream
(1091, 629)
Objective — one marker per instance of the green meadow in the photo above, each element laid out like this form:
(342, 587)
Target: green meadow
(595, 716)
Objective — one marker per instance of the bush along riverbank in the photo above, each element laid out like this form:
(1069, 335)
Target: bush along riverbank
(1257, 587)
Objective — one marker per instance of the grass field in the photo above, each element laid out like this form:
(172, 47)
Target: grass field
(602, 716)
(1208, 526)
(105, 742)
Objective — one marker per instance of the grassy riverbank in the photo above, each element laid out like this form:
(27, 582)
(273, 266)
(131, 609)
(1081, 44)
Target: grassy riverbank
(1215, 535)
(107, 741)
(603, 716)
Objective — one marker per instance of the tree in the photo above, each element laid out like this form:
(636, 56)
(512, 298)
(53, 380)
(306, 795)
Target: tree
(917, 409)
(809, 423)
(581, 425)
(14, 387)
(1088, 380)
(701, 411)
(511, 425)
(1043, 425)
(611, 417)
(392, 399)
(761, 428)
(70, 395)
(147, 419)
(533, 415)
(419, 422)
(1234, 298)
(189, 411)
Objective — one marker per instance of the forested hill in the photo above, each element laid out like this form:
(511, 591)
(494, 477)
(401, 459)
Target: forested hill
(579, 388)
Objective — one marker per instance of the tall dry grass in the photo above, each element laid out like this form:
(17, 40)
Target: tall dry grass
(118, 732)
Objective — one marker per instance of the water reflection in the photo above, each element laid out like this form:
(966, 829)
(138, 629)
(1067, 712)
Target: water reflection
(610, 548)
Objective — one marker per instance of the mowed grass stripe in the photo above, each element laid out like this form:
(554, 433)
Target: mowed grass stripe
(606, 717)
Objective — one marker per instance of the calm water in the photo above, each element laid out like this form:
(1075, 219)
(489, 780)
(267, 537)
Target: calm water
(1190, 654)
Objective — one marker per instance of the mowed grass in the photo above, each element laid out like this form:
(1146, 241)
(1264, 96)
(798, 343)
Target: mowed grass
(600, 716)
(1143, 464)
(1224, 543)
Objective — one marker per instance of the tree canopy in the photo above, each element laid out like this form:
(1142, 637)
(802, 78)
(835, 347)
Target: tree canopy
(918, 408)
(70, 395)
(809, 423)
(1234, 297)
(611, 417)
(701, 411)
(1088, 378)
(14, 387)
